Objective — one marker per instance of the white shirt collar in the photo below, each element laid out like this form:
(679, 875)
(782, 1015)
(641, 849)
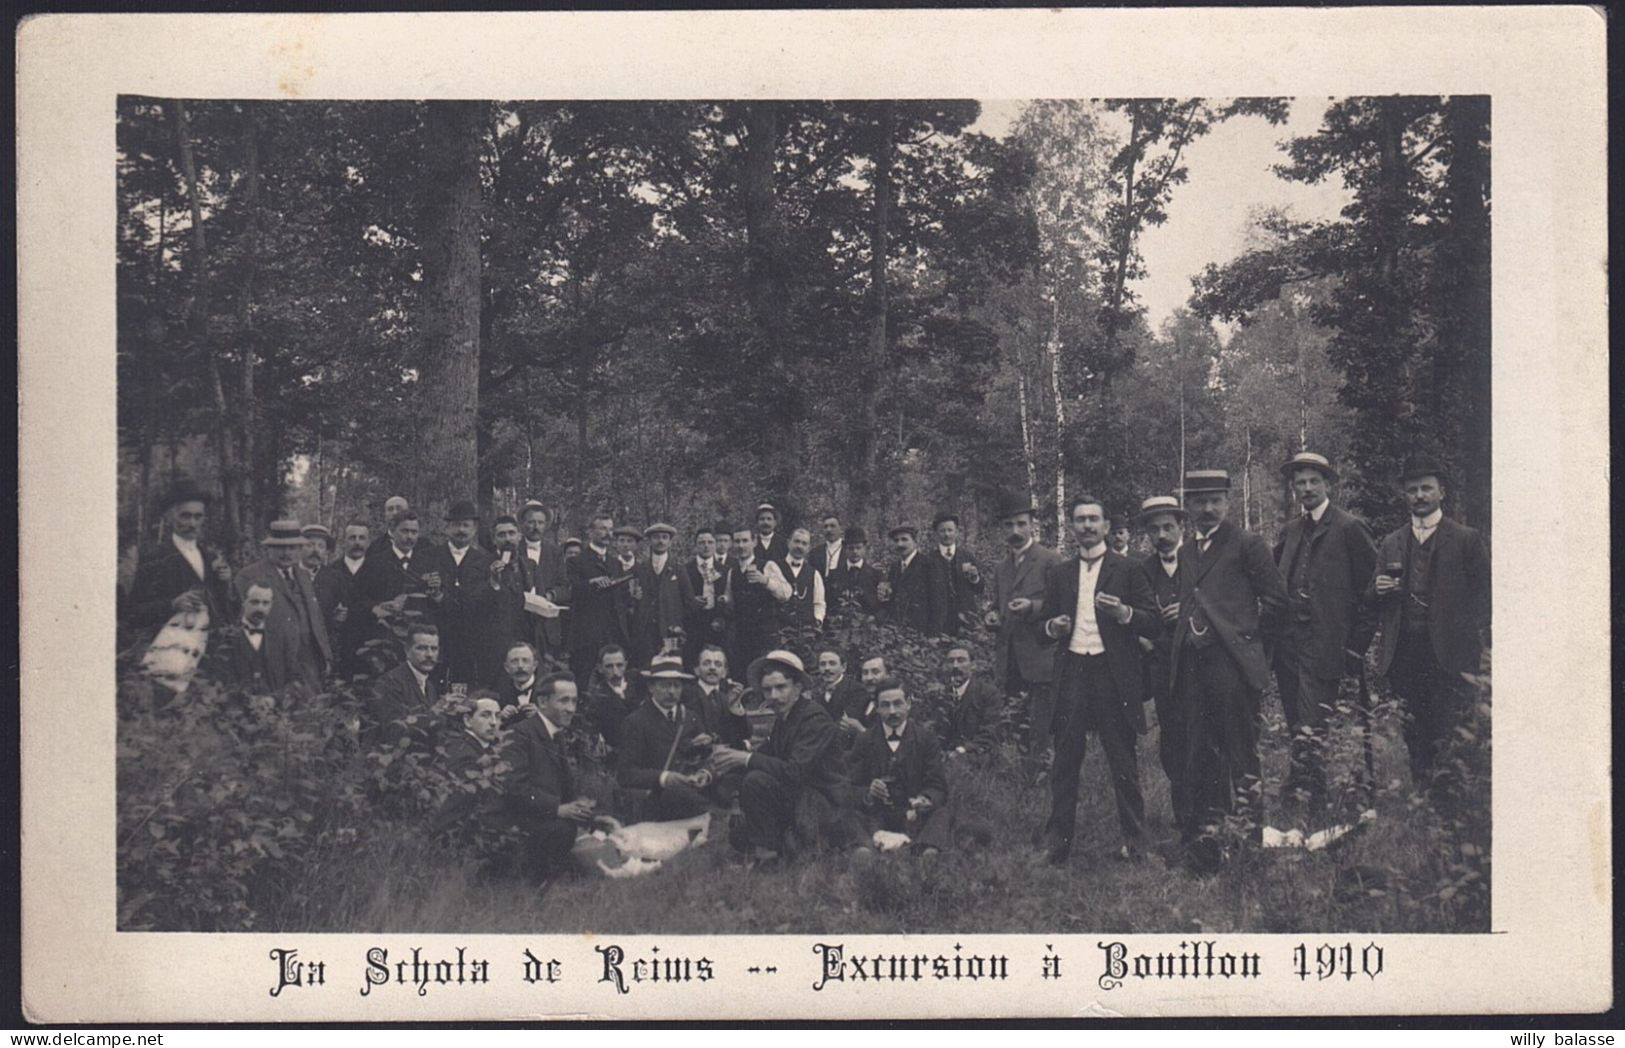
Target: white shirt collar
(1025, 548)
(399, 553)
(899, 731)
(910, 558)
(600, 550)
(947, 552)
(1093, 553)
(1319, 511)
(529, 684)
(353, 564)
(552, 729)
(182, 543)
(1428, 522)
(422, 678)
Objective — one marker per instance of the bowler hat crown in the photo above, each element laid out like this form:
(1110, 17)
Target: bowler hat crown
(1422, 466)
(856, 534)
(183, 491)
(463, 509)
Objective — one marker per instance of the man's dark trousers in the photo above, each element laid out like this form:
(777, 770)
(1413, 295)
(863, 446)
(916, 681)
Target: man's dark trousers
(1087, 700)
(1221, 751)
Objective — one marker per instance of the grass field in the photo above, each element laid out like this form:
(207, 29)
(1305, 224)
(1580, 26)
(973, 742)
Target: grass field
(1410, 871)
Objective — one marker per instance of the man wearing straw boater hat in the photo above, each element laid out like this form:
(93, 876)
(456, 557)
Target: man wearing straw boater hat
(1162, 518)
(1230, 592)
(800, 761)
(662, 744)
(294, 628)
(1327, 558)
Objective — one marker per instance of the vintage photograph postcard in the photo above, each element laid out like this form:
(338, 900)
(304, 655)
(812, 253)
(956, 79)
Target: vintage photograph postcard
(796, 515)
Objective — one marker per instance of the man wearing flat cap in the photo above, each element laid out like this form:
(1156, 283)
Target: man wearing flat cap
(1230, 594)
(1162, 518)
(961, 575)
(1023, 657)
(915, 592)
(184, 572)
(458, 575)
(1432, 589)
(852, 583)
(800, 762)
(663, 594)
(294, 623)
(663, 745)
(1327, 557)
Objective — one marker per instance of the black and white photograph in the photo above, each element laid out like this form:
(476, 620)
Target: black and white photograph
(715, 515)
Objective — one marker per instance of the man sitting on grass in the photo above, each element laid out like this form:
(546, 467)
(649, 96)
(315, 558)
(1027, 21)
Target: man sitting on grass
(978, 717)
(659, 742)
(902, 763)
(540, 789)
(800, 762)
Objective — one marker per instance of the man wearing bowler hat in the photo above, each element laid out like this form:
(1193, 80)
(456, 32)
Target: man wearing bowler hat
(1433, 590)
(1230, 593)
(294, 625)
(183, 573)
(851, 583)
(1023, 657)
(1327, 558)
(800, 761)
(1162, 518)
(457, 573)
(915, 591)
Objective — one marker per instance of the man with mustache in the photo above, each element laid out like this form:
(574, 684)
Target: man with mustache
(185, 573)
(1433, 591)
(595, 595)
(458, 575)
(336, 596)
(294, 626)
(962, 576)
(1163, 520)
(852, 584)
(1023, 657)
(1230, 594)
(797, 585)
(898, 764)
(978, 706)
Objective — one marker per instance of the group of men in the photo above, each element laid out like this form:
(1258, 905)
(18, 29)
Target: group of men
(1194, 627)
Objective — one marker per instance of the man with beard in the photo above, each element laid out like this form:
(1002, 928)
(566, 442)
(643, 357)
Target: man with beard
(611, 696)
(705, 592)
(961, 575)
(753, 608)
(518, 690)
(540, 788)
(800, 761)
(915, 592)
(1023, 657)
(1327, 558)
(1163, 519)
(1433, 593)
(661, 742)
(336, 597)
(403, 700)
(851, 584)
(183, 574)
(664, 592)
(769, 541)
(251, 662)
(294, 626)
(1095, 605)
(1230, 595)
(458, 576)
(797, 585)
(390, 584)
(898, 763)
(978, 707)
(594, 592)
(827, 557)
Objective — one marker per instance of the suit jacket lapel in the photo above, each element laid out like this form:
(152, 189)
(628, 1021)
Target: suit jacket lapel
(1289, 551)
(1215, 548)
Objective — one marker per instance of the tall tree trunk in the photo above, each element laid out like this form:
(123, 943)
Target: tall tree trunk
(220, 429)
(1026, 431)
(449, 386)
(1462, 384)
(767, 282)
(876, 363)
(248, 407)
(1053, 348)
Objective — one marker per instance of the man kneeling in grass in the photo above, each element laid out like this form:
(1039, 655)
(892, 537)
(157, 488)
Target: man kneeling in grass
(902, 763)
(800, 762)
(540, 789)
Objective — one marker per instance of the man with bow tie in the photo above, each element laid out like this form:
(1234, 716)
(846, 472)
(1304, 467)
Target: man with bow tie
(852, 583)
(251, 657)
(295, 622)
(518, 689)
(540, 790)
(898, 764)
(663, 596)
(1432, 589)
(1163, 520)
(336, 596)
(961, 575)
(663, 746)
(705, 595)
(1023, 657)
(1327, 558)
(183, 573)
(1230, 595)
(797, 585)
(390, 586)
(1095, 605)
(596, 588)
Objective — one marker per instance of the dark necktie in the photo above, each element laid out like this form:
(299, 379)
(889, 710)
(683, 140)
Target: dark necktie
(254, 631)
(287, 575)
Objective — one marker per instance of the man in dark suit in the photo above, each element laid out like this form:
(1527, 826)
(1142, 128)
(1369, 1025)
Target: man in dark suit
(1433, 591)
(827, 556)
(771, 544)
(898, 764)
(705, 607)
(1095, 604)
(978, 707)
(1162, 518)
(799, 762)
(961, 575)
(663, 746)
(466, 758)
(540, 788)
(541, 572)
(595, 586)
(458, 576)
(915, 592)
(753, 612)
(336, 597)
(715, 699)
(664, 597)
(517, 692)
(184, 573)
(390, 588)
(611, 696)
(402, 702)
(295, 621)
(1230, 595)
(1327, 558)
(852, 583)
(835, 689)
(249, 651)
(1023, 657)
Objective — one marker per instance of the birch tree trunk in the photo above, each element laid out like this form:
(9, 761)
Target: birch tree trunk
(1026, 431)
(1053, 349)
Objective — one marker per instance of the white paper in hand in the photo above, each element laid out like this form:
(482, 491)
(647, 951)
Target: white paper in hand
(537, 604)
